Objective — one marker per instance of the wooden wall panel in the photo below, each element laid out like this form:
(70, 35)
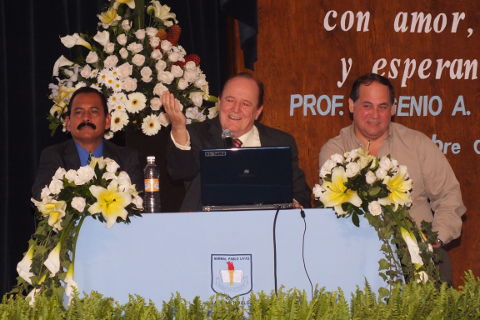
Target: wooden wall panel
(297, 55)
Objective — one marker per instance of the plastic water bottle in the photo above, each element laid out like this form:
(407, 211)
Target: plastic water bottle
(151, 199)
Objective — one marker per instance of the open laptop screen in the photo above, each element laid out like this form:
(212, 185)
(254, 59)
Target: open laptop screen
(246, 178)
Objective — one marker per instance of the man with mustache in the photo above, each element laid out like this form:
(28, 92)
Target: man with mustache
(87, 121)
(240, 105)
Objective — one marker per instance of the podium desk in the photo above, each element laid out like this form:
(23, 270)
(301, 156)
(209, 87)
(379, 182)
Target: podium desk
(201, 253)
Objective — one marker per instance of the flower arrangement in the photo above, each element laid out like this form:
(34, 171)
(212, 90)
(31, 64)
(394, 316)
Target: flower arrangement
(99, 190)
(132, 64)
(357, 183)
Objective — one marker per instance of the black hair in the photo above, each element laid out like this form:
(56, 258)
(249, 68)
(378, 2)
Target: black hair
(366, 80)
(88, 90)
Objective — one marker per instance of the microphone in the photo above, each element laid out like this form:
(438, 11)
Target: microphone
(227, 137)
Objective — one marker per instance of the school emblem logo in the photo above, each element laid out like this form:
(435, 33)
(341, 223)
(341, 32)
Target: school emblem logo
(232, 274)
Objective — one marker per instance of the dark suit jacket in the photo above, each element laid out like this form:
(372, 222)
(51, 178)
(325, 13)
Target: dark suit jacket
(185, 165)
(65, 155)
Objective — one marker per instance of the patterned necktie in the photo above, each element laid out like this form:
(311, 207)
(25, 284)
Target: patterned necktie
(237, 143)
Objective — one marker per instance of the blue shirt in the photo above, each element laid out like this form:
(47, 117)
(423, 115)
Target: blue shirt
(84, 154)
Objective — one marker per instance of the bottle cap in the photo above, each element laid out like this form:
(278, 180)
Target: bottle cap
(151, 159)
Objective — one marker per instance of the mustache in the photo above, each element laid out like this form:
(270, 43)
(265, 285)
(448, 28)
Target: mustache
(85, 123)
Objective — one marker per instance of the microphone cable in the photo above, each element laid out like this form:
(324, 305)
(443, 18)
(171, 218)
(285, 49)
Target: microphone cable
(275, 251)
(302, 214)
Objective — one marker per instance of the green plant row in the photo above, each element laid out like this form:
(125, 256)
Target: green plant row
(411, 301)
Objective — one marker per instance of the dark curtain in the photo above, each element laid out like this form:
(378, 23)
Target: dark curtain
(29, 35)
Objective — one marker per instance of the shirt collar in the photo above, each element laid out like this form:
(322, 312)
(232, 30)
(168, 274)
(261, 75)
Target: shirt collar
(84, 154)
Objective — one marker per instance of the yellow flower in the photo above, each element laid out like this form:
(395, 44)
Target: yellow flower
(71, 284)
(54, 210)
(162, 12)
(412, 246)
(336, 193)
(110, 203)
(108, 17)
(399, 189)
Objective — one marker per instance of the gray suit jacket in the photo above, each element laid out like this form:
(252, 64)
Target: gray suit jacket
(185, 165)
(65, 155)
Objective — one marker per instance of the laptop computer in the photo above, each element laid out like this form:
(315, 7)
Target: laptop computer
(246, 178)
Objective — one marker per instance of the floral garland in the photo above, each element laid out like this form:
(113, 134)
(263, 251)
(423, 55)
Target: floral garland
(99, 190)
(132, 65)
(357, 183)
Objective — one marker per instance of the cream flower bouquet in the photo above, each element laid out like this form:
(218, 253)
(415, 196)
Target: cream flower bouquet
(99, 190)
(133, 58)
(356, 184)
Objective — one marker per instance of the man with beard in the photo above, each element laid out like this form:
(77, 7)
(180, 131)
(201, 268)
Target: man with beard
(87, 122)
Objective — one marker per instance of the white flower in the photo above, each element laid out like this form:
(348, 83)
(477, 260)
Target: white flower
(102, 37)
(108, 135)
(75, 40)
(109, 176)
(109, 48)
(125, 70)
(176, 71)
(197, 98)
(156, 54)
(92, 57)
(61, 62)
(151, 125)
(55, 186)
(59, 174)
(86, 71)
(162, 12)
(146, 74)
(45, 192)
(151, 32)
(71, 175)
(71, 284)
(137, 201)
(165, 77)
(116, 101)
(422, 277)
(190, 65)
(53, 260)
(194, 114)
(123, 53)
(412, 246)
(136, 102)
(190, 75)
(31, 296)
(160, 65)
(25, 265)
(154, 42)
(174, 57)
(78, 203)
(165, 45)
(337, 158)
(327, 168)
(318, 190)
(122, 39)
(381, 173)
(119, 120)
(126, 25)
(159, 89)
(155, 104)
(212, 112)
(385, 163)
(370, 177)
(110, 61)
(84, 175)
(140, 34)
(135, 47)
(163, 119)
(182, 84)
(138, 60)
(129, 84)
(353, 168)
(375, 208)
(112, 166)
